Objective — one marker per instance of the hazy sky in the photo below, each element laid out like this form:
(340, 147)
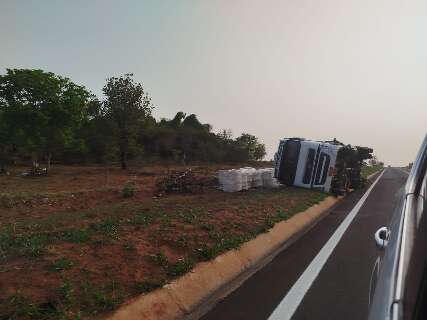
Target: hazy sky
(351, 69)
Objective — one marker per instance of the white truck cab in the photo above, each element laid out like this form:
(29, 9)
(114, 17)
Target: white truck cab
(306, 163)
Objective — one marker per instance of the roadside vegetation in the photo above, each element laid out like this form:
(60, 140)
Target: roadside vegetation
(46, 118)
(368, 170)
(80, 242)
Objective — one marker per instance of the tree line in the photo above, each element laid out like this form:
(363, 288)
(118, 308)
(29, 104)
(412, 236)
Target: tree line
(47, 117)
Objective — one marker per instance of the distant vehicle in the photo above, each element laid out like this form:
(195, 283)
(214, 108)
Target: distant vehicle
(328, 166)
(399, 282)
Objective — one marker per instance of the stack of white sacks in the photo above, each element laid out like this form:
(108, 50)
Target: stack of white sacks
(245, 178)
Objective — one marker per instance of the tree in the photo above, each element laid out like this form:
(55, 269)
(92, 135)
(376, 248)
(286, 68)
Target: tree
(5, 145)
(41, 112)
(127, 105)
(176, 122)
(225, 135)
(45, 116)
(97, 133)
(254, 149)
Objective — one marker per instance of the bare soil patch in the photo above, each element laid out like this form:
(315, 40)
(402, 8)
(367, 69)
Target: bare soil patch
(72, 247)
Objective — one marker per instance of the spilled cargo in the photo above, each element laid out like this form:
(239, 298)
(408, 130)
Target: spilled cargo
(235, 180)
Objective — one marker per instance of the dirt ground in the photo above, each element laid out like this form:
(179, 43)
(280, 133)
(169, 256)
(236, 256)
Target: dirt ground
(73, 247)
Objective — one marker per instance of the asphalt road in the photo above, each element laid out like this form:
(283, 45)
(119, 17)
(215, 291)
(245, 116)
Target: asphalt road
(341, 288)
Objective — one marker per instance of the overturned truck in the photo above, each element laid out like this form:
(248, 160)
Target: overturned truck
(328, 166)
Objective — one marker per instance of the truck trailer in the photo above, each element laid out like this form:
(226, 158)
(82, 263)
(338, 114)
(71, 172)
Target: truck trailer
(328, 166)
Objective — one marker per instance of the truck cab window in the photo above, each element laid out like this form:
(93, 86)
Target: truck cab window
(309, 166)
(325, 169)
(322, 169)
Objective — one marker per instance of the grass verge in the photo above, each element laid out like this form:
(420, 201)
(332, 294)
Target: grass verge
(86, 263)
(368, 170)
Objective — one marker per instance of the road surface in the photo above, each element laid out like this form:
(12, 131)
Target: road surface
(334, 286)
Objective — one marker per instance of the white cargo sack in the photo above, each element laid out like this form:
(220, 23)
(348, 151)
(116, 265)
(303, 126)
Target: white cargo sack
(251, 173)
(257, 179)
(268, 180)
(244, 175)
(230, 180)
(245, 178)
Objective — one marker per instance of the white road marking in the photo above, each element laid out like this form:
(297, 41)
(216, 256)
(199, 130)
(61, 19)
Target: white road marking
(293, 298)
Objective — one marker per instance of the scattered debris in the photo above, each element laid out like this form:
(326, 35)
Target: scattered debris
(184, 182)
(35, 172)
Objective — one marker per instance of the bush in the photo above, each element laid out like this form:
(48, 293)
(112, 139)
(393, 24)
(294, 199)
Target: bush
(128, 190)
(181, 267)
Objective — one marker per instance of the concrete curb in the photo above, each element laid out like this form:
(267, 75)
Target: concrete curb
(192, 295)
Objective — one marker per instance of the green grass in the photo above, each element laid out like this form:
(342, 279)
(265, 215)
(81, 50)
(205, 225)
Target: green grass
(191, 215)
(159, 258)
(61, 264)
(128, 190)
(66, 291)
(18, 306)
(32, 245)
(76, 235)
(31, 238)
(207, 226)
(7, 241)
(368, 170)
(109, 227)
(171, 221)
(147, 286)
(183, 241)
(223, 244)
(28, 195)
(142, 218)
(181, 267)
(84, 296)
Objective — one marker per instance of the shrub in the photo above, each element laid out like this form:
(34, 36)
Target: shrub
(159, 259)
(181, 267)
(128, 190)
(147, 286)
(61, 264)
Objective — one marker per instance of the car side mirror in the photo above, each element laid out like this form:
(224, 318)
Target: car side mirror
(381, 237)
